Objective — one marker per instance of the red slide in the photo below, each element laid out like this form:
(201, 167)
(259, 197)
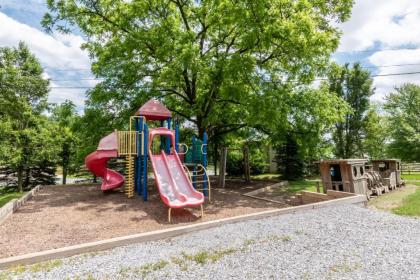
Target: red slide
(96, 162)
(174, 186)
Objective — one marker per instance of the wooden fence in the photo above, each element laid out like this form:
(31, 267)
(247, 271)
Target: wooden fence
(408, 168)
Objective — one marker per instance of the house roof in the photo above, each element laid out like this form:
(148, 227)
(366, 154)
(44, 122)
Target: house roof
(154, 110)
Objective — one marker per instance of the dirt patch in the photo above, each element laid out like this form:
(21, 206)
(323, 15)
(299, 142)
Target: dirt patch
(61, 216)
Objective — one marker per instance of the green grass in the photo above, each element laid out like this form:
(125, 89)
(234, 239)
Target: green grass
(410, 205)
(265, 176)
(6, 196)
(412, 176)
(302, 185)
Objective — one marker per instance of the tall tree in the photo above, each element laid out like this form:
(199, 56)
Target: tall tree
(28, 139)
(23, 95)
(313, 114)
(354, 85)
(375, 134)
(209, 60)
(65, 116)
(403, 109)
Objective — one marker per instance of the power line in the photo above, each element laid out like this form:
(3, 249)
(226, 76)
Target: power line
(380, 50)
(319, 79)
(80, 79)
(396, 74)
(364, 67)
(392, 65)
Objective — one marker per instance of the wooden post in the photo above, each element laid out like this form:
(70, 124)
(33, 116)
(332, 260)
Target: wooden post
(222, 168)
(247, 170)
(317, 187)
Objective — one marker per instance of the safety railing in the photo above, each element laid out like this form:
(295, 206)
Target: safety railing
(127, 142)
(185, 150)
(199, 176)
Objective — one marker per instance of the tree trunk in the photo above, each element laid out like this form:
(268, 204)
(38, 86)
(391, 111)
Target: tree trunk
(215, 147)
(20, 179)
(64, 174)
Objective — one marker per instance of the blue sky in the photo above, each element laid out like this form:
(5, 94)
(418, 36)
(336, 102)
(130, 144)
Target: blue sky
(375, 25)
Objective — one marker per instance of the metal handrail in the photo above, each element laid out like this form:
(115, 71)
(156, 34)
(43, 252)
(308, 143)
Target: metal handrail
(202, 149)
(186, 150)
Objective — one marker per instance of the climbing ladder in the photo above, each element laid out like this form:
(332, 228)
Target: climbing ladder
(127, 146)
(129, 187)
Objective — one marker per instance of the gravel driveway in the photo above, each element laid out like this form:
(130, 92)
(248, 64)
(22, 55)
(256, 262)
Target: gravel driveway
(347, 242)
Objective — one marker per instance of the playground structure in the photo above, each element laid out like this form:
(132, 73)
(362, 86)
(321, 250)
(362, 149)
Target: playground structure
(352, 175)
(178, 182)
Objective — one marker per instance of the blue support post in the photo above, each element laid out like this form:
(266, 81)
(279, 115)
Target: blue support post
(146, 135)
(139, 156)
(168, 140)
(204, 151)
(194, 179)
(136, 162)
(177, 137)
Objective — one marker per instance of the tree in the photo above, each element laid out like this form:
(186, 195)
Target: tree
(403, 109)
(354, 85)
(313, 113)
(65, 116)
(213, 62)
(375, 134)
(27, 138)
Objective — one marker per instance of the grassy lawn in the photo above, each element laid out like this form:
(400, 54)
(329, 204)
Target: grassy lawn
(6, 196)
(410, 205)
(403, 201)
(302, 185)
(412, 176)
(265, 176)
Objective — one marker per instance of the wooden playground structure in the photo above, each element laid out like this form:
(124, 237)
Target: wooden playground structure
(355, 176)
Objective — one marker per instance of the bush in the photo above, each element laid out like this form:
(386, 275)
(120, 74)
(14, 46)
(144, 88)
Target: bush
(235, 163)
(258, 162)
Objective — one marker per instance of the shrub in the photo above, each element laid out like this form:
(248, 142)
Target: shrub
(235, 163)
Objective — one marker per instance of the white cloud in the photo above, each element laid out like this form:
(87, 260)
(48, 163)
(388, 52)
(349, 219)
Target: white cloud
(391, 23)
(385, 24)
(55, 51)
(385, 84)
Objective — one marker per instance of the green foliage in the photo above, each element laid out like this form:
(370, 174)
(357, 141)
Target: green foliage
(354, 85)
(375, 134)
(257, 162)
(212, 62)
(27, 139)
(66, 118)
(403, 110)
(235, 162)
(290, 164)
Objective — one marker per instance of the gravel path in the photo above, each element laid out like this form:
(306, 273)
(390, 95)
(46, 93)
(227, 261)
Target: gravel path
(347, 242)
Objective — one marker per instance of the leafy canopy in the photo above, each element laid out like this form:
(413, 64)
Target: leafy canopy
(220, 64)
(354, 85)
(27, 138)
(403, 111)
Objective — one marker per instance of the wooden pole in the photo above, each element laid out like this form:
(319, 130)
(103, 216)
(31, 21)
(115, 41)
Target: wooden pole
(317, 187)
(247, 170)
(222, 169)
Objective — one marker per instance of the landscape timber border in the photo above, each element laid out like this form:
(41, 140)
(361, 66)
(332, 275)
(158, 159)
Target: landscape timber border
(13, 205)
